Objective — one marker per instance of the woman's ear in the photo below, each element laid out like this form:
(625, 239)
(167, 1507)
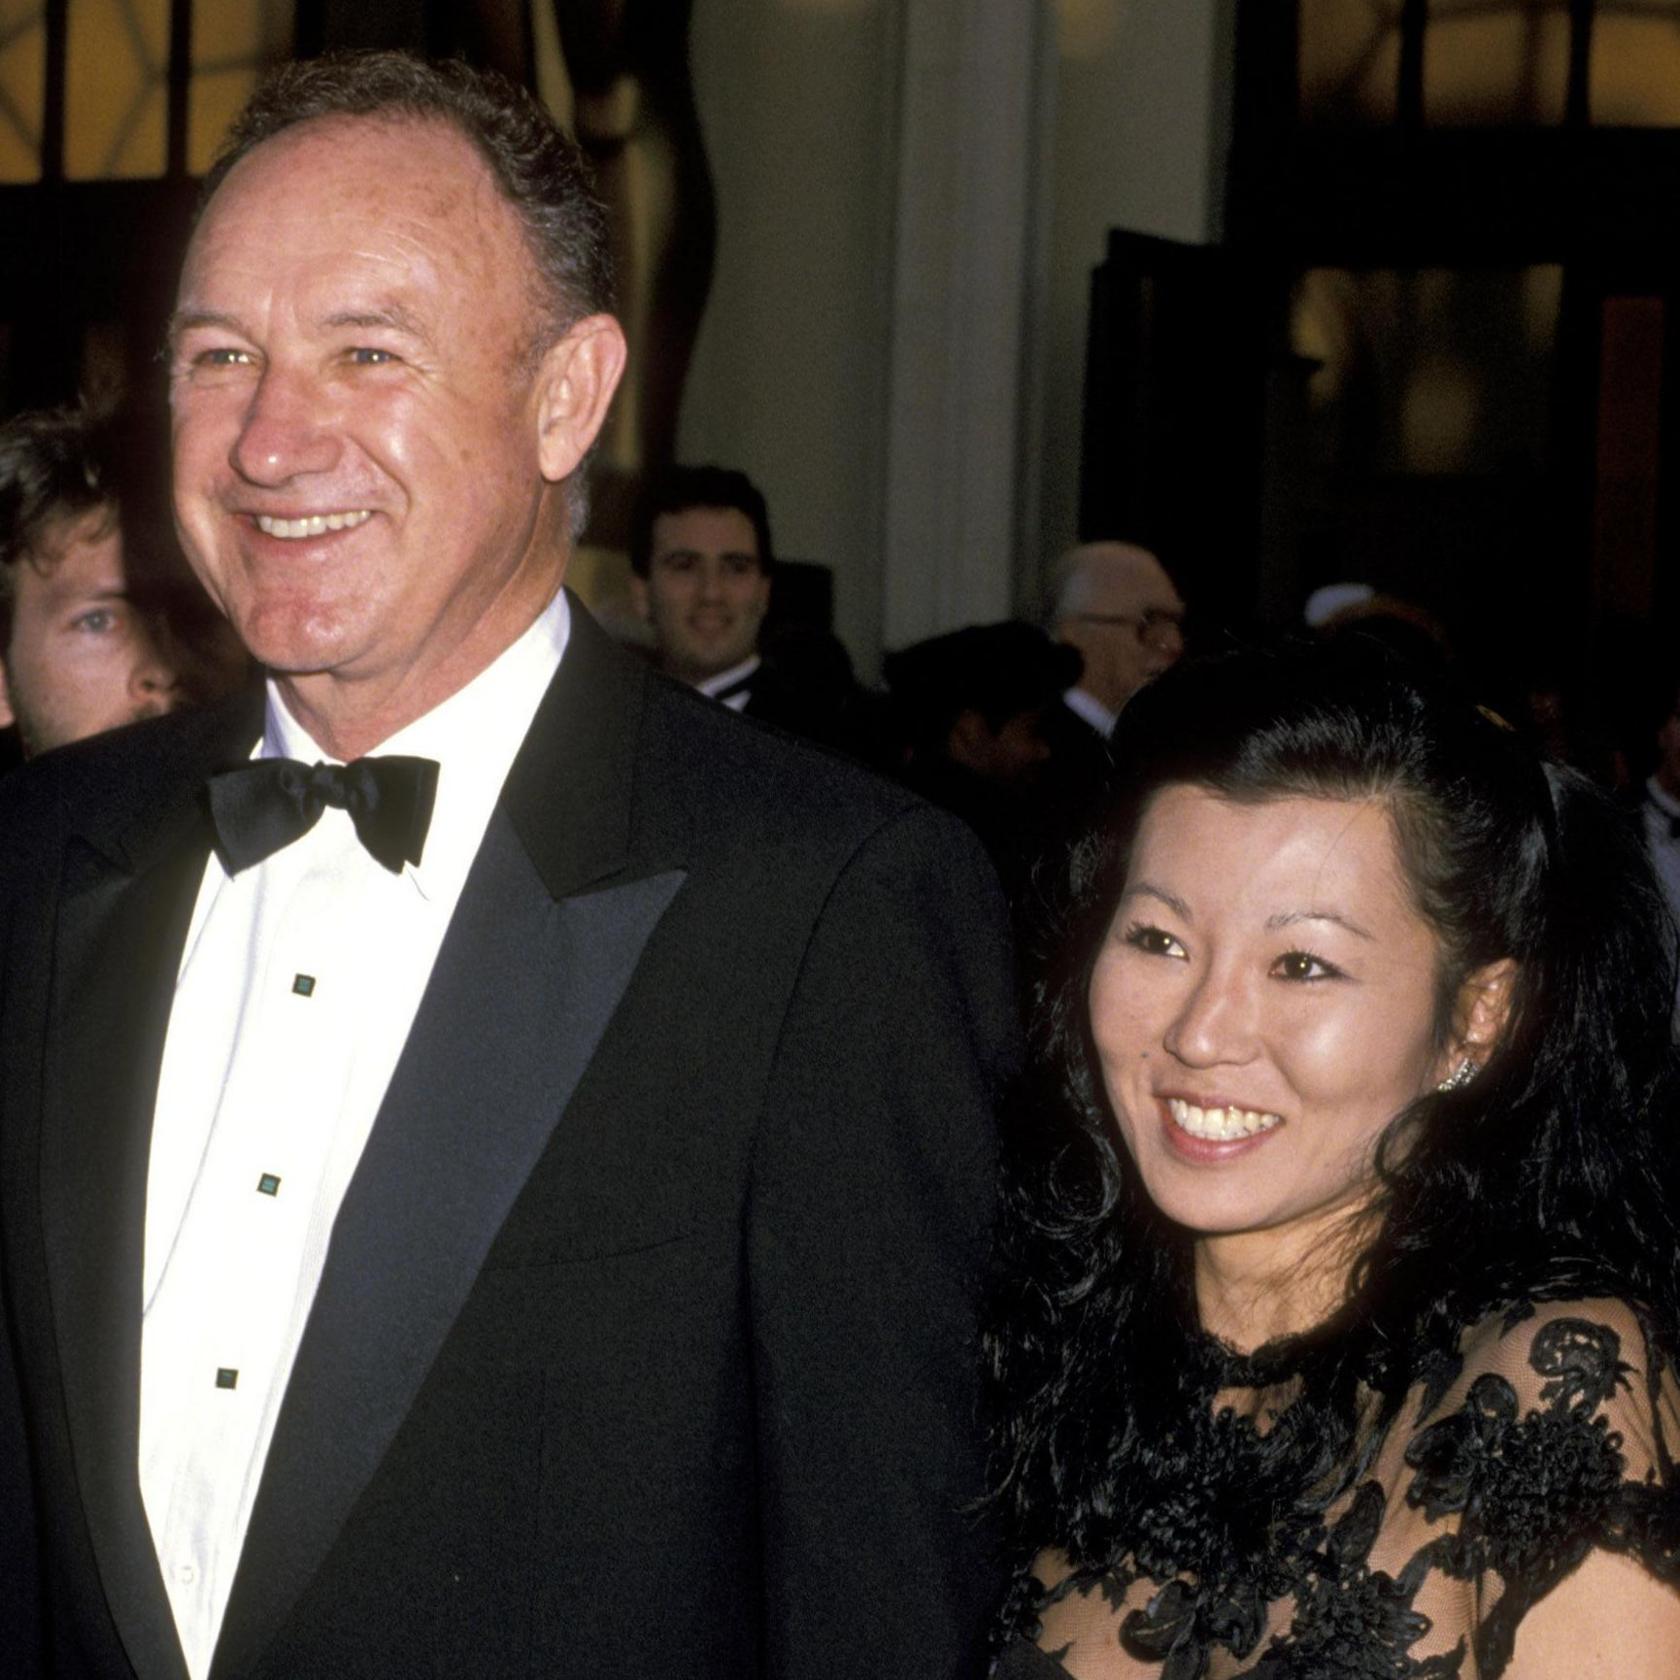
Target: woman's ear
(1481, 1013)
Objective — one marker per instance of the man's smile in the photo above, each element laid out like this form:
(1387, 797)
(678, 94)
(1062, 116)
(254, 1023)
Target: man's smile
(311, 525)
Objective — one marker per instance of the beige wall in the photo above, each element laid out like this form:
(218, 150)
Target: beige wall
(800, 100)
(1141, 93)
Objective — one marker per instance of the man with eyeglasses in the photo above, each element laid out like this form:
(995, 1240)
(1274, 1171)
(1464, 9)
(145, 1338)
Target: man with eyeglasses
(1116, 604)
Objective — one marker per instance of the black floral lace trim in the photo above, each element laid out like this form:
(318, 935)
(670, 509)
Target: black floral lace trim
(1532, 1492)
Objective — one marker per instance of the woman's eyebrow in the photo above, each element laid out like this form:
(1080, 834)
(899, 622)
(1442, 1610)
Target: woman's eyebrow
(1288, 918)
(1148, 889)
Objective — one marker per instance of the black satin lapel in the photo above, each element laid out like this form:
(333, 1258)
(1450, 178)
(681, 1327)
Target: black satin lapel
(119, 947)
(583, 740)
(523, 989)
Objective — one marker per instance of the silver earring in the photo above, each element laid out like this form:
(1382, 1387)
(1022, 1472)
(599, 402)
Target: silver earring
(1459, 1077)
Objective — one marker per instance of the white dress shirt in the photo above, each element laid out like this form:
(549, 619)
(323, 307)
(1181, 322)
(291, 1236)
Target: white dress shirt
(731, 688)
(1087, 706)
(298, 985)
(1661, 812)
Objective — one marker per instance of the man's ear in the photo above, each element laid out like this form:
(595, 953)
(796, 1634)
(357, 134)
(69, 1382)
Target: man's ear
(575, 384)
(1481, 1012)
(8, 715)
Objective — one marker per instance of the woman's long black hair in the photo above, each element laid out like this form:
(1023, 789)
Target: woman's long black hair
(1550, 1173)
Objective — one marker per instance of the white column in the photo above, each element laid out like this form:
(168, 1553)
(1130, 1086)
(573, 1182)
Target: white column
(963, 251)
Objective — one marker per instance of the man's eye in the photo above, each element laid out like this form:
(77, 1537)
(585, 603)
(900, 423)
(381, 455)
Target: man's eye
(97, 621)
(364, 355)
(1303, 965)
(222, 357)
(1153, 941)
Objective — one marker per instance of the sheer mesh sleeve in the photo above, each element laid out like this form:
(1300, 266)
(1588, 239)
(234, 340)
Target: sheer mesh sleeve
(1552, 1438)
(1555, 1440)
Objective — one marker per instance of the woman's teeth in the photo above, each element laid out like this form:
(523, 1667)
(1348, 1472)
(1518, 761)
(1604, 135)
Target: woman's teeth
(312, 525)
(1220, 1125)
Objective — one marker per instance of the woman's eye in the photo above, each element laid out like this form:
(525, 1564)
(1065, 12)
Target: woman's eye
(96, 621)
(1153, 941)
(1303, 965)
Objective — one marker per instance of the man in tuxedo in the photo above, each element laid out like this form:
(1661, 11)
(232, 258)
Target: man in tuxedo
(700, 574)
(702, 571)
(495, 1155)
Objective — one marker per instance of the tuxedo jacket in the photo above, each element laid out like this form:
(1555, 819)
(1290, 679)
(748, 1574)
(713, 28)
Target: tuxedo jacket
(645, 1341)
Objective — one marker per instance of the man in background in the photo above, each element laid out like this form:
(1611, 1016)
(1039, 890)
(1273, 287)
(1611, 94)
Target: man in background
(701, 562)
(702, 572)
(83, 644)
(1115, 603)
(970, 709)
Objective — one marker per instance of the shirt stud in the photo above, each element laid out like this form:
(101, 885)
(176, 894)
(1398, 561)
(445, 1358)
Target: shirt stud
(269, 1184)
(226, 1378)
(303, 985)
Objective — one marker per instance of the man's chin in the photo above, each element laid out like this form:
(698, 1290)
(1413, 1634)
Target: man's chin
(297, 651)
(712, 661)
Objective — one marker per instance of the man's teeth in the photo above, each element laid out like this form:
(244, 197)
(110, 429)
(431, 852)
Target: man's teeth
(1221, 1125)
(312, 525)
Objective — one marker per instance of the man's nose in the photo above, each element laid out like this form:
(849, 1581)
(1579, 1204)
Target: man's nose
(1215, 1024)
(286, 432)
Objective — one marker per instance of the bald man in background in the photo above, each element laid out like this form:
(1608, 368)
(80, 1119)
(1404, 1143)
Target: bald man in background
(1116, 604)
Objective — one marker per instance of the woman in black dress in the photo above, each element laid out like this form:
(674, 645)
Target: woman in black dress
(1341, 1279)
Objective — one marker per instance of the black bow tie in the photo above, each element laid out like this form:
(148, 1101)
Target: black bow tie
(270, 802)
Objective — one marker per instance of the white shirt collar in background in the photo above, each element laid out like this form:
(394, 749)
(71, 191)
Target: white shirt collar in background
(1089, 707)
(714, 687)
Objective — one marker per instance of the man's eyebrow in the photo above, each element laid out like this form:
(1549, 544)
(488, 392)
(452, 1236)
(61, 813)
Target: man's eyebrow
(185, 320)
(391, 315)
(1288, 918)
(88, 597)
(1147, 889)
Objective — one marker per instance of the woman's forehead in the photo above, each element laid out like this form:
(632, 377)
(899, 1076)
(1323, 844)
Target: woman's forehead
(1284, 856)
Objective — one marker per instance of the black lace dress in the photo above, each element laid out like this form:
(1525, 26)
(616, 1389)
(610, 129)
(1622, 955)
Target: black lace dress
(1547, 1436)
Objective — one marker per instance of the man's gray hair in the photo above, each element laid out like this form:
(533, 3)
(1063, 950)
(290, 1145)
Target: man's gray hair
(541, 172)
(1074, 579)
